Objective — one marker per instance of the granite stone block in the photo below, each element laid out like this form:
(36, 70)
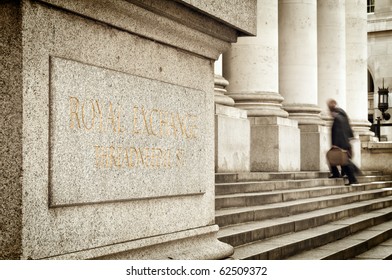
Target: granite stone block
(108, 129)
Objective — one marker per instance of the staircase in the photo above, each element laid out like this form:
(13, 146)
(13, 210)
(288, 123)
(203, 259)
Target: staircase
(304, 215)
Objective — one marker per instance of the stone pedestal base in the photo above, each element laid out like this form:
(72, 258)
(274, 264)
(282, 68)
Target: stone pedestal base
(194, 244)
(356, 149)
(315, 142)
(377, 156)
(232, 139)
(114, 158)
(275, 144)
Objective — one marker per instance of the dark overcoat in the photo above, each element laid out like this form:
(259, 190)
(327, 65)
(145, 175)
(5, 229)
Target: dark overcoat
(341, 130)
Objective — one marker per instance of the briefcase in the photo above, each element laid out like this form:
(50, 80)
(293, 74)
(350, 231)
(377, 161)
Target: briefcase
(337, 156)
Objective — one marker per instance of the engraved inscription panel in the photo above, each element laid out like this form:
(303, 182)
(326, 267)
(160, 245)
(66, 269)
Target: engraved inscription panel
(117, 137)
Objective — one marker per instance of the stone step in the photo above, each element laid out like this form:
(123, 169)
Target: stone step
(287, 245)
(365, 244)
(383, 251)
(255, 186)
(230, 216)
(258, 186)
(258, 198)
(240, 234)
(268, 176)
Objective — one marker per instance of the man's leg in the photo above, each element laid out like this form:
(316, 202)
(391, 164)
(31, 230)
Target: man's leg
(349, 171)
(335, 172)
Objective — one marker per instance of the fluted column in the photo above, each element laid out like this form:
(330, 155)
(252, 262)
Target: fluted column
(298, 78)
(356, 61)
(331, 39)
(252, 68)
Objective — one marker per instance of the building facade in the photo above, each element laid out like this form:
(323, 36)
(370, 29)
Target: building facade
(379, 60)
(109, 114)
(306, 52)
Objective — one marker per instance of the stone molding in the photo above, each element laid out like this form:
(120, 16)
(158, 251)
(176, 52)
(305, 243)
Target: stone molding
(304, 113)
(198, 33)
(220, 91)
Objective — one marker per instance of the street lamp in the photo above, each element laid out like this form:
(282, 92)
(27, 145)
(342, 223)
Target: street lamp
(383, 106)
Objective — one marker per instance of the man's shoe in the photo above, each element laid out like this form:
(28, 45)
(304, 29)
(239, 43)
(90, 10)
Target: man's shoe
(333, 176)
(350, 183)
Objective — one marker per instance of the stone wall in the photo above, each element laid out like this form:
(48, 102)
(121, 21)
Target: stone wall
(111, 108)
(11, 116)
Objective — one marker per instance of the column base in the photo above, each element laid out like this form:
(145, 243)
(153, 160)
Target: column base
(275, 144)
(220, 96)
(356, 150)
(362, 127)
(315, 142)
(305, 114)
(232, 139)
(362, 132)
(260, 104)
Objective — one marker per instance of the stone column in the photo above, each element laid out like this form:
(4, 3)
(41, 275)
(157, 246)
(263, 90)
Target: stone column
(251, 66)
(356, 76)
(331, 44)
(298, 77)
(232, 130)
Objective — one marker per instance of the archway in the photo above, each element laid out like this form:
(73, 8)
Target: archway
(370, 83)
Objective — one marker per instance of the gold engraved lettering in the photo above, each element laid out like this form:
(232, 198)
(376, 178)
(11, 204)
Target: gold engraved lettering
(115, 157)
(74, 109)
(128, 157)
(152, 157)
(119, 157)
(145, 121)
(166, 158)
(136, 130)
(111, 116)
(110, 157)
(152, 122)
(133, 157)
(101, 129)
(147, 157)
(92, 116)
(120, 128)
(163, 122)
(141, 156)
(158, 154)
(173, 124)
(115, 121)
(100, 156)
(182, 122)
(192, 125)
(106, 117)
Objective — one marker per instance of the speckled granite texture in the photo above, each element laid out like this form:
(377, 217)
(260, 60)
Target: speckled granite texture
(106, 89)
(11, 107)
(140, 136)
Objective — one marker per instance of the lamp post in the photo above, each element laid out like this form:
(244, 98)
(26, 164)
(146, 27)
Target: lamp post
(383, 106)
